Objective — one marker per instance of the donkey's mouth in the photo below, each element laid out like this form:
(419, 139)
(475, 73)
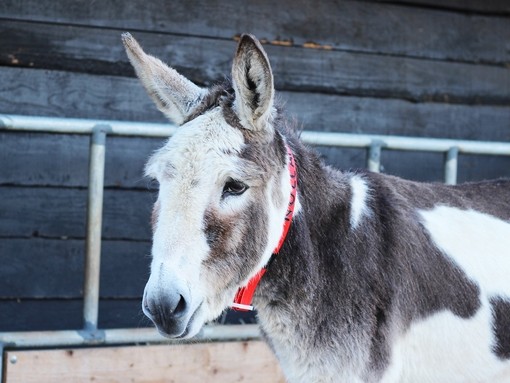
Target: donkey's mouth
(189, 328)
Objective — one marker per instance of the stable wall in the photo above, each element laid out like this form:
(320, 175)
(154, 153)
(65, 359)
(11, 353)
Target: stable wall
(426, 68)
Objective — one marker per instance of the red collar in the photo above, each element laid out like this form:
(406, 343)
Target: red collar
(244, 296)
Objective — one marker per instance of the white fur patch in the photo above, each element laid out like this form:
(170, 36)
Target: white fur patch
(478, 243)
(360, 195)
(445, 347)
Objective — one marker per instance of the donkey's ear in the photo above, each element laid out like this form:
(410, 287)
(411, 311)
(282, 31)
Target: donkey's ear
(174, 95)
(253, 84)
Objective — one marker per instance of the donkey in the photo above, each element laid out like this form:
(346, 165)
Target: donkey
(356, 276)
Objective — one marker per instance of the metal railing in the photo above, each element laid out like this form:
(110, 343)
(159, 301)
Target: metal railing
(100, 129)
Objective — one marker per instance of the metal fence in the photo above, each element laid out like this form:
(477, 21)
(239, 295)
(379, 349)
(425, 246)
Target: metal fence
(90, 334)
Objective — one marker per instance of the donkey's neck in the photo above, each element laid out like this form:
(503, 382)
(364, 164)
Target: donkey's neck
(296, 276)
(305, 302)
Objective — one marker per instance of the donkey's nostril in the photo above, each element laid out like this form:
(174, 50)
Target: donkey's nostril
(181, 306)
(167, 311)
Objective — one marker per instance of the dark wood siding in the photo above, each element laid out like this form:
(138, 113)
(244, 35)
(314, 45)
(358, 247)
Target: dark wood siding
(424, 68)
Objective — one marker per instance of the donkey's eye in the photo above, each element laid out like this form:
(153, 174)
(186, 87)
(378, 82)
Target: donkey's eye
(233, 187)
(153, 185)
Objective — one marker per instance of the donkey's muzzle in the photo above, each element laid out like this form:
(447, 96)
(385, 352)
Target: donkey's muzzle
(168, 311)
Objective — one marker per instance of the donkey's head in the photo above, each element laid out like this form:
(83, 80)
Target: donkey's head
(223, 187)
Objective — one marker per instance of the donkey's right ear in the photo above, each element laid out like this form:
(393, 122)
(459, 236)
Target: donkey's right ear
(174, 94)
(253, 85)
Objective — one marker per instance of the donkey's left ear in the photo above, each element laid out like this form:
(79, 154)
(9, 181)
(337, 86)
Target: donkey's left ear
(253, 85)
(174, 95)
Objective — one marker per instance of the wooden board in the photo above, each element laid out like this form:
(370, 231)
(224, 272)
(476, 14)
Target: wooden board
(61, 213)
(203, 61)
(65, 94)
(345, 25)
(54, 268)
(126, 157)
(67, 314)
(493, 7)
(62, 160)
(192, 363)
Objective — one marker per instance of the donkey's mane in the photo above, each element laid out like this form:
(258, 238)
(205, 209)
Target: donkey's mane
(217, 96)
(223, 95)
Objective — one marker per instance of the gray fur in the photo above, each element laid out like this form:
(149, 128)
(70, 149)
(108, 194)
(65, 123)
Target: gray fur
(501, 312)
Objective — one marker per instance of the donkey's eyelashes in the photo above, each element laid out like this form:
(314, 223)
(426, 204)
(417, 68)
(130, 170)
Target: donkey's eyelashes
(233, 187)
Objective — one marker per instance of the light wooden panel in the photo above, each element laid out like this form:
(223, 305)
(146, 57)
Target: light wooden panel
(195, 363)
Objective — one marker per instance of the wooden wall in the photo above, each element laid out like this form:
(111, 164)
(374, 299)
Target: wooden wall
(429, 68)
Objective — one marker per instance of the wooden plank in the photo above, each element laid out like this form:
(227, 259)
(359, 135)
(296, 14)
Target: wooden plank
(59, 160)
(419, 166)
(65, 94)
(212, 362)
(398, 117)
(345, 25)
(60, 213)
(429, 167)
(54, 268)
(53, 314)
(205, 61)
(487, 6)
(39, 315)
(126, 157)
(39, 159)
(67, 314)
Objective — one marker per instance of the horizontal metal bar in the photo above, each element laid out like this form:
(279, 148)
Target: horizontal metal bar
(406, 143)
(83, 126)
(146, 129)
(27, 339)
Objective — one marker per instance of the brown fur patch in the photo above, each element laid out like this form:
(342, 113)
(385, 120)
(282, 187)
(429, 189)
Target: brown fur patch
(236, 241)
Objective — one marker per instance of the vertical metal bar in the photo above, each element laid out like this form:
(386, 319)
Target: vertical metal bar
(94, 226)
(450, 166)
(2, 361)
(374, 156)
